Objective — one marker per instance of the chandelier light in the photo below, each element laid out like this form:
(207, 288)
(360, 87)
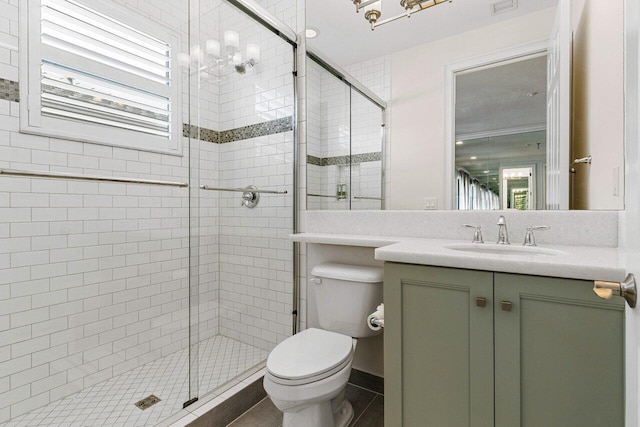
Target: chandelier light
(216, 56)
(373, 9)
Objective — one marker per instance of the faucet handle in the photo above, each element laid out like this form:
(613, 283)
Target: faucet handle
(477, 233)
(529, 238)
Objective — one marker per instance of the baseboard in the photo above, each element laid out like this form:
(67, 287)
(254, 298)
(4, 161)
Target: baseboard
(367, 380)
(233, 407)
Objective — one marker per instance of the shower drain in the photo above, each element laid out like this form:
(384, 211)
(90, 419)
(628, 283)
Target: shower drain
(147, 402)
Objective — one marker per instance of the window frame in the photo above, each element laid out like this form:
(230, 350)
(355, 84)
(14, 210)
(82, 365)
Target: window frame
(32, 120)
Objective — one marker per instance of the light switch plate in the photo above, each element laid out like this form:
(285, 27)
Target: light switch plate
(431, 203)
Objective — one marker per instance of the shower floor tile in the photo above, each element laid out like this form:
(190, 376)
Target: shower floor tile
(111, 403)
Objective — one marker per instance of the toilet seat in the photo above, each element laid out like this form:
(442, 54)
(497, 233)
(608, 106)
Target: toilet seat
(309, 356)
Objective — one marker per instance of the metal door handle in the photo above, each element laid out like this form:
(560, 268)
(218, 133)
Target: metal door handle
(626, 289)
(506, 305)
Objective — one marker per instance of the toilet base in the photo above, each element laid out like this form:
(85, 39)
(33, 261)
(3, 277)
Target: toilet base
(321, 415)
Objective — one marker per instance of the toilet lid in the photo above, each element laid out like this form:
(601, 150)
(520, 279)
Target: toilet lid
(309, 354)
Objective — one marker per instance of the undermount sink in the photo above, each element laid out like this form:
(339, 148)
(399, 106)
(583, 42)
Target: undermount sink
(488, 248)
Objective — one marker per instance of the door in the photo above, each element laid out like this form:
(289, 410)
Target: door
(559, 108)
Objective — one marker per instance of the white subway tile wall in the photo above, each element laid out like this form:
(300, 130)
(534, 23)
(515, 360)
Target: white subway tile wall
(94, 277)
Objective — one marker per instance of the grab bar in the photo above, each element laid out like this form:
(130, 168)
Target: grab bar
(322, 195)
(61, 175)
(367, 198)
(250, 194)
(243, 190)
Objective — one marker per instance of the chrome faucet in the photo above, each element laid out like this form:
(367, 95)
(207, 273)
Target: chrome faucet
(477, 233)
(503, 234)
(529, 238)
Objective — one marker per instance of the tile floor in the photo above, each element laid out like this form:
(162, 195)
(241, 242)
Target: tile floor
(368, 408)
(110, 403)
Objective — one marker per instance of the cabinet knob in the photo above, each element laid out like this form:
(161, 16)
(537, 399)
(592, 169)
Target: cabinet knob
(506, 305)
(481, 302)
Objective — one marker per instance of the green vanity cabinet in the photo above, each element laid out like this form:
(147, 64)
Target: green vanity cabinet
(476, 348)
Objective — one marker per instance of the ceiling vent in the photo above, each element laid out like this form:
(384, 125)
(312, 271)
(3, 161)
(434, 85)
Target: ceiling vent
(503, 6)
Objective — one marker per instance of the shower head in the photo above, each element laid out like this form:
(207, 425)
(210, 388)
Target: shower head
(241, 68)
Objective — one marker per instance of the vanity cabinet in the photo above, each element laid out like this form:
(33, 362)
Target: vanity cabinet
(476, 348)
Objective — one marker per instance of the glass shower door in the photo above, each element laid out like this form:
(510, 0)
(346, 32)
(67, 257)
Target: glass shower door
(242, 111)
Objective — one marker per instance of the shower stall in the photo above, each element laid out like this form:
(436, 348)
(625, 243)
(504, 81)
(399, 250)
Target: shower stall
(130, 271)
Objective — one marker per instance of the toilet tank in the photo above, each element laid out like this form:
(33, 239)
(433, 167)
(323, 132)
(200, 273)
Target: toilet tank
(345, 295)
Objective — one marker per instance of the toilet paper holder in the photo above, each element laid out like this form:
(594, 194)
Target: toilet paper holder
(626, 289)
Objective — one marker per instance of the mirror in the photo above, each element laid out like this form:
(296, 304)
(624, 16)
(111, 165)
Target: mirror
(406, 62)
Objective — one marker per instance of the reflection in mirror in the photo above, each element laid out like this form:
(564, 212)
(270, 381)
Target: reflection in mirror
(406, 63)
(500, 129)
(344, 143)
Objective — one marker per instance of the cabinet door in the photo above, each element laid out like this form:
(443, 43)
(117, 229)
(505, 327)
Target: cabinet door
(559, 354)
(438, 347)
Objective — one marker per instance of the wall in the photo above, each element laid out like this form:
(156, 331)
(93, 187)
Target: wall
(93, 276)
(417, 103)
(598, 100)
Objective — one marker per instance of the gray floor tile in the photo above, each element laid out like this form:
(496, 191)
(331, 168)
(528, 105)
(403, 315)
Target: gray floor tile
(373, 416)
(359, 398)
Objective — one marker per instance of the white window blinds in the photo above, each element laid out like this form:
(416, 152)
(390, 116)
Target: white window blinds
(99, 66)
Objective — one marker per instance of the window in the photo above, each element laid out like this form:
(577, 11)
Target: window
(96, 73)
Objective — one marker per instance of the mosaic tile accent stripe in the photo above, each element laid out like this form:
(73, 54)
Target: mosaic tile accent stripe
(252, 131)
(9, 90)
(208, 135)
(344, 160)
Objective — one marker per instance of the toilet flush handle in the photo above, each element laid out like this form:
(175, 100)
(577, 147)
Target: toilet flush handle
(316, 281)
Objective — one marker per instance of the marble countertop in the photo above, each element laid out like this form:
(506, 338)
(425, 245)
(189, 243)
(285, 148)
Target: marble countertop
(575, 262)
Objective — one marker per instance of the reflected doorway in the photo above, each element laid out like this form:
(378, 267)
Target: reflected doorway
(518, 188)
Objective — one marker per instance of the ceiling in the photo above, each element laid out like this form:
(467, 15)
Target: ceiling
(346, 37)
(511, 96)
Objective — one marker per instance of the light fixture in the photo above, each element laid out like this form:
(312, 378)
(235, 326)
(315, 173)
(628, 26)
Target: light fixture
(215, 56)
(373, 9)
(459, 142)
(311, 32)
(473, 157)
(486, 171)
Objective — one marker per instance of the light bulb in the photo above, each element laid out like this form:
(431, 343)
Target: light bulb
(253, 52)
(212, 47)
(231, 40)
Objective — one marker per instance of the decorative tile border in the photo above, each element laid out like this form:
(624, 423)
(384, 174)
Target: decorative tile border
(344, 160)
(9, 90)
(260, 129)
(246, 132)
(208, 135)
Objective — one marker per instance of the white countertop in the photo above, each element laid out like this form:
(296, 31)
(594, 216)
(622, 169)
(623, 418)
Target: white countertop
(576, 262)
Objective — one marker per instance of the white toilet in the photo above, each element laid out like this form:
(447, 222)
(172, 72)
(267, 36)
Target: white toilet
(308, 372)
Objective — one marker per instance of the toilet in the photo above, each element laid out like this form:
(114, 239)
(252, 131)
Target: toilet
(307, 373)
